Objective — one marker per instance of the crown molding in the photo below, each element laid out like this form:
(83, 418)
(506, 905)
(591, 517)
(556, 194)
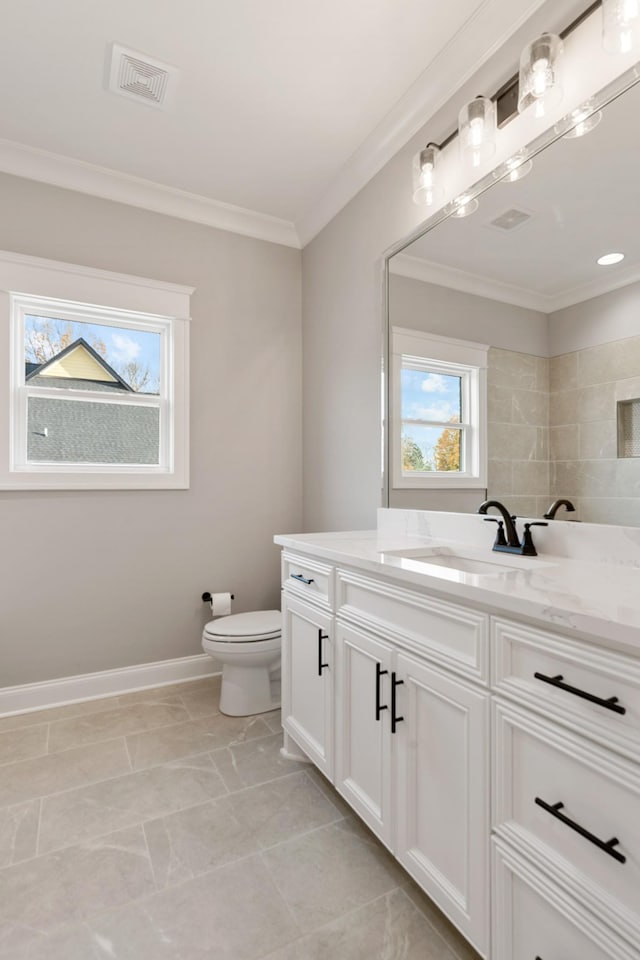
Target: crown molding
(414, 268)
(34, 164)
(470, 49)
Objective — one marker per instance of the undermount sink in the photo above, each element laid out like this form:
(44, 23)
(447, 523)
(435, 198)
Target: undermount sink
(463, 561)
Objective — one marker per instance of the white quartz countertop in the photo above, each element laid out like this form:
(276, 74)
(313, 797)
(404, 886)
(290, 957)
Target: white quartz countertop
(596, 600)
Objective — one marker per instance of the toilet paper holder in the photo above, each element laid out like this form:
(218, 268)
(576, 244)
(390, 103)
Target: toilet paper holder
(206, 597)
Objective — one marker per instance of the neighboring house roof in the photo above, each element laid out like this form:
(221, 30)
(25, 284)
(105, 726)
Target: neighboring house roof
(60, 430)
(78, 361)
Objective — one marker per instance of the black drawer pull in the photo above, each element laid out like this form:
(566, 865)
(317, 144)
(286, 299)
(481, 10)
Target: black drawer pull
(321, 637)
(394, 718)
(301, 578)
(606, 845)
(610, 704)
(379, 673)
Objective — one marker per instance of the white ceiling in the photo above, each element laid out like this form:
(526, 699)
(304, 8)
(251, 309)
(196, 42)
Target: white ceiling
(273, 98)
(583, 197)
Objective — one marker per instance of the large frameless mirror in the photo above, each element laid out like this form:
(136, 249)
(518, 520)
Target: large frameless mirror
(513, 354)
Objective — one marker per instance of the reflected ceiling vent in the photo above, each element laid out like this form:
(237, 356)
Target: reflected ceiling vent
(510, 219)
(139, 77)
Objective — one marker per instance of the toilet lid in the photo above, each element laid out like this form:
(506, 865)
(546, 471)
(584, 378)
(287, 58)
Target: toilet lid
(240, 626)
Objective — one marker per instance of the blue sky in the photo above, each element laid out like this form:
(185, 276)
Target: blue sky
(430, 396)
(123, 345)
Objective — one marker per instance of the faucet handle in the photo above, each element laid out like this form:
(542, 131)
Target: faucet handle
(528, 549)
(500, 540)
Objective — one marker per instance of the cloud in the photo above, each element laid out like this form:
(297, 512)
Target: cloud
(435, 383)
(125, 349)
(437, 411)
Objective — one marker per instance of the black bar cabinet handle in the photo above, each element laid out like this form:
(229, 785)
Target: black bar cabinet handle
(610, 704)
(301, 578)
(321, 637)
(606, 845)
(379, 673)
(394, 719)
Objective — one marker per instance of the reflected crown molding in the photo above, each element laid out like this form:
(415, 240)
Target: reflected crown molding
(414, 268)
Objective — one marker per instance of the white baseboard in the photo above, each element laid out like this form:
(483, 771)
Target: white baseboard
(105, 683)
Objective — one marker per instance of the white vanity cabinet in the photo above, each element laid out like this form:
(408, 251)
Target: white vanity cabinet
(411, 710)
(307, 659)
(494, 753)
(563, 799)
(364, 776)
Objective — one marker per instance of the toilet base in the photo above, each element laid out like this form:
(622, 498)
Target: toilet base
(248, 690)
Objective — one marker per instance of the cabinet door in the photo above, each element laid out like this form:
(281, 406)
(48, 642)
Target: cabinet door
(363, 738)
(307, 680)
(442, 779)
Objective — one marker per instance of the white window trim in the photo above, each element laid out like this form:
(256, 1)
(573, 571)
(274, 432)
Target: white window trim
(446, 354)
(163, 305)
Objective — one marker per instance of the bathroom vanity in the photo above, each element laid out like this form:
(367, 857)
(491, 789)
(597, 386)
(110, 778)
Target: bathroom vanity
(481, 714)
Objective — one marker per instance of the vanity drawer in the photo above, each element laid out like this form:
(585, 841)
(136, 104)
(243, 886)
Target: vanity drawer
(526, 660)
(452, 635)
(573, 797)
(533, 918)
(308, 578)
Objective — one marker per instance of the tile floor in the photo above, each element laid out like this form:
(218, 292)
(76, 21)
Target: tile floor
(151, 826)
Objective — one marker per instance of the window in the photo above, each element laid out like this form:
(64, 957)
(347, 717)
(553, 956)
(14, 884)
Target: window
(97, 394)
(438, 411)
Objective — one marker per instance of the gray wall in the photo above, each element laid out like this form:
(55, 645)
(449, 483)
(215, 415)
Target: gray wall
(98, 580)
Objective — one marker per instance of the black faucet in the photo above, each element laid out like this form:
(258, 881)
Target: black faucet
(512, 542)
(555, 506)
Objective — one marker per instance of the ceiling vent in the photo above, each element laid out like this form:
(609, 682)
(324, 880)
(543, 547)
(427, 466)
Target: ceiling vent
(510, 219)
(142, 78)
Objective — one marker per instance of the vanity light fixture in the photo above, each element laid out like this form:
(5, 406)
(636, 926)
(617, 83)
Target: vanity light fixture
(515, 168)
(583, 119)
(609, 259)
(620, 25)
(539, 82)
(464, 206)
(426, 189)
(477, 129)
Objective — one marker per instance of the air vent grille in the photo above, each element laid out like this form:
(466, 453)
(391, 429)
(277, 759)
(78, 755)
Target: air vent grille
(142, 79)
(510, 219)
(133, 74)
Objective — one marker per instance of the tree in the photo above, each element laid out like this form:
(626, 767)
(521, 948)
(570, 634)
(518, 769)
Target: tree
(412, 457)
(138, 377)
(447, 450)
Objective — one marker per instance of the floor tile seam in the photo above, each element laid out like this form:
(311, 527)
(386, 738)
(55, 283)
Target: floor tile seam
(330, 923)
(287, 905)
(450, 947)
(30, 713)
(93, 783)
(37, 845)
(262, 783)
(300, 836)
(325, 795)
(35, 756)
(161, 816)
(131, 733)
(199, 753)
(181, 723)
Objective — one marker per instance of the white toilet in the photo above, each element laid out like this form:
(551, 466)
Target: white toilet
(248, 647)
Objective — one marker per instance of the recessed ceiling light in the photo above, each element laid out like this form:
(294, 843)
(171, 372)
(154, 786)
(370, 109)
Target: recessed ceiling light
(609, 258)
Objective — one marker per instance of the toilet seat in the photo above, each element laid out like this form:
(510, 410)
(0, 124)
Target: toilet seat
(245, 627)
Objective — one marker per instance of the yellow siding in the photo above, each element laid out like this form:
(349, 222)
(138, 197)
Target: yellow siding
(79, 364)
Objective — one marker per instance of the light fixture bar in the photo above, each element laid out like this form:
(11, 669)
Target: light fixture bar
(506, 97)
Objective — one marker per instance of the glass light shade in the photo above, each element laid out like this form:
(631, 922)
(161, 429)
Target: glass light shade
(621, 25)
(515, 168)
(583, 120)
(426, 188)
(540, 81)
(477, 129)
(464, 206)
